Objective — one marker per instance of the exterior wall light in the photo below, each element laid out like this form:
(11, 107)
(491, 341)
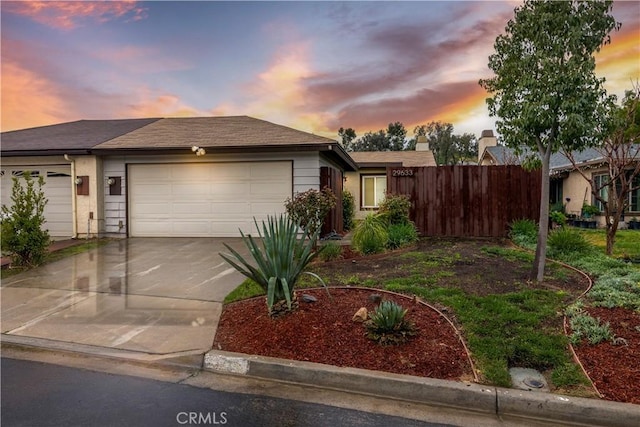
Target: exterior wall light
(78, 181)
(110, 181)
(199, 151)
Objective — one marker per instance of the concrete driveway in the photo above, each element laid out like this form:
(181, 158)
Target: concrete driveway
(159, 296)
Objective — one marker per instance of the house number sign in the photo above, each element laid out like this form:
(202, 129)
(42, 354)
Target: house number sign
(402, 172)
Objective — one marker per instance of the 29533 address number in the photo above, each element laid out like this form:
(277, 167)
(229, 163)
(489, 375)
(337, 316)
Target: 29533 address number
(402, 172)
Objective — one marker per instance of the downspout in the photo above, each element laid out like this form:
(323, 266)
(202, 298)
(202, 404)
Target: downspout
(74, 202)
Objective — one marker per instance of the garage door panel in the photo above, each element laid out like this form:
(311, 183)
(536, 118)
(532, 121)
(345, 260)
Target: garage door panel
(218, 206)
(187, 191)
(229, 188)
(191, 208)
(237, 208)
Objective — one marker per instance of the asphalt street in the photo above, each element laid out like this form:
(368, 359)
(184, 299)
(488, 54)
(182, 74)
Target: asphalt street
(39, 394)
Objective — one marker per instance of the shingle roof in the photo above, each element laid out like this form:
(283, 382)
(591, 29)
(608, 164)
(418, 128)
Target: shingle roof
(503, 155)
(233, 131)
(79, 135)
(406, 158)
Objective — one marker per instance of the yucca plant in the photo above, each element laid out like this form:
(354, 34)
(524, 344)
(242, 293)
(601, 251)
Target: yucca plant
(387, 324)
(279, 259)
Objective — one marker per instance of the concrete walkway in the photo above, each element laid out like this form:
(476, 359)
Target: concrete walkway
(153, 296)
(158, 301)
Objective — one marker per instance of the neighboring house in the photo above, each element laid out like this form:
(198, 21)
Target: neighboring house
(567, 185)
(168, 177)
(369, 184)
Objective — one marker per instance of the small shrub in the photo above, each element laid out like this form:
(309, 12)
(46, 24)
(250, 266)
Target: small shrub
(370, 235)
(524, 232)
(589, 210)
(331, 251)
(558, 218)
(348, 210)
(309, 209)
(394, 209)
(401, 235)
(387, 324)
(590, 328)
(23, 236)
(564, 241)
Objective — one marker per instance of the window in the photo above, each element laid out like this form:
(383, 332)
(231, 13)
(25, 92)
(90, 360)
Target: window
(373, 190)
(600, 184)
(634, 197)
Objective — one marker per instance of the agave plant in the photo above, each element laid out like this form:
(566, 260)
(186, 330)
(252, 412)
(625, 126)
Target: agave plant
(387, 324)
(279, 260)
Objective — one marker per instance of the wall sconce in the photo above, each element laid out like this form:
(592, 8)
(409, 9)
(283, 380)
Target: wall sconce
(82, 185)
(199, 151)
(110, 181)
(78, 181)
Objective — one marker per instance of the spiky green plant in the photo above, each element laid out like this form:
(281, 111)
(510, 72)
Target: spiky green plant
(387, 324)
(279, 260)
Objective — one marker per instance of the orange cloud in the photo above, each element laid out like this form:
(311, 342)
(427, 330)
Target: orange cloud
(29, 99)
(619, 61)
(64, 15)
(165, 105)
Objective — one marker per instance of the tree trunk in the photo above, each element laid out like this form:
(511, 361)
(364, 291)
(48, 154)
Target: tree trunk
(543, 227)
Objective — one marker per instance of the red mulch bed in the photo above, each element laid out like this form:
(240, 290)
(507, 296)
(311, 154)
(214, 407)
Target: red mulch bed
(324, 332)
(615, 369)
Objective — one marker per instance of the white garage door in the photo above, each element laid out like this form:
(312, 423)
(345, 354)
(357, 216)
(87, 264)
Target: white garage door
(57, 190)
(205, 199)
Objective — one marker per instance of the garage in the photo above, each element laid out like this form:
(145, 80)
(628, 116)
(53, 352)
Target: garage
(57, 189)
(205, 199)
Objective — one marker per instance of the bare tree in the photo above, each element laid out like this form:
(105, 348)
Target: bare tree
(620, 153)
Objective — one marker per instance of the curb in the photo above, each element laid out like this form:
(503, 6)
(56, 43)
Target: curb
(468, 396)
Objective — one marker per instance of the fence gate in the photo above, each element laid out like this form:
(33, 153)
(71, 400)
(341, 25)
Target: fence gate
(474, 201)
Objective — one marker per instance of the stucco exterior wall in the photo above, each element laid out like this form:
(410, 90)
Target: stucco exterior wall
(90, 208)
(578, 190)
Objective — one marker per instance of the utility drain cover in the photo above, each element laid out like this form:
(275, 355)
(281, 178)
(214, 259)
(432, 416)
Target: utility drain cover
(533, 383)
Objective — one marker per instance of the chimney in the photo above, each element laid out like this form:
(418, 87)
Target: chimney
(486, 140)
(422, 144)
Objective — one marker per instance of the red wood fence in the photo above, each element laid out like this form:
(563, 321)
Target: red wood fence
(475, 201)
(332, 178)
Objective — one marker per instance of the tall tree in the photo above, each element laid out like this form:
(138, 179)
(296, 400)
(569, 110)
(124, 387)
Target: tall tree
(448, 148)
(620, 152)
(396, 134)
(391, 139)
(545, 90)
(346, 138)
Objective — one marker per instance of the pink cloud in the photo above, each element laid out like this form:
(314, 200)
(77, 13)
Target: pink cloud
(65, 15)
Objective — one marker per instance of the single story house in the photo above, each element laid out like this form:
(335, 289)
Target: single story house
(369, 183)
(169, 177)
(567, 185)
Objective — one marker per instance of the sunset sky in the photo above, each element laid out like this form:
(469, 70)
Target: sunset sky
(314, 66)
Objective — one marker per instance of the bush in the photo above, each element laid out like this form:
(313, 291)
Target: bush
(348, 210)
(565, 241)
(524, 232)
(309, 209)
(370, 235)
(395, 209)
(387, 324)
(558, 218)
(23, 237)
(280, 261)
(401, 235)
(331, 251)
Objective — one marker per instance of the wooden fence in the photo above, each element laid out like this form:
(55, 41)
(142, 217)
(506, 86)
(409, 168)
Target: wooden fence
(475, 201)
(332, 178)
